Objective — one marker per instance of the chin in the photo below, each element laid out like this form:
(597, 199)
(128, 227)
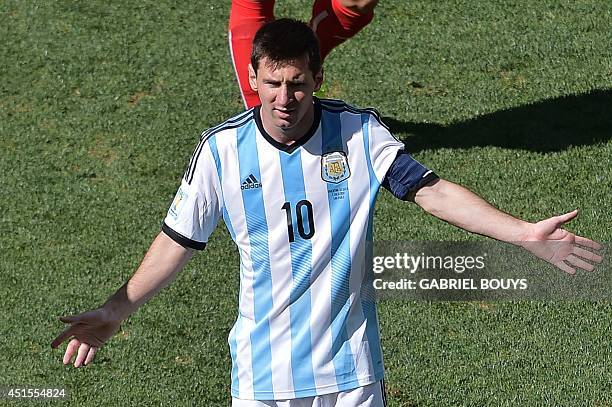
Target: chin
(285, 125)
(286, 129)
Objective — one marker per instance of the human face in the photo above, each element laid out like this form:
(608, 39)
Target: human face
(285, 92)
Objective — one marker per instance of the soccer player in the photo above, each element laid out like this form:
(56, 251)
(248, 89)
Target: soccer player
(295, 181)
(333, 21)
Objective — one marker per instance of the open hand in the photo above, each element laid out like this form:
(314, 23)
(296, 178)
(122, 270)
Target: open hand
(548, 241)
(88, 331)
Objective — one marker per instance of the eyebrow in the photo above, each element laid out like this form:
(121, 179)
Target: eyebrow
(290, 82)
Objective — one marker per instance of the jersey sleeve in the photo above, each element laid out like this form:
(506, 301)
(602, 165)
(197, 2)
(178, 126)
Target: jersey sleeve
(406, 176)
(383, 147)
(196, 208)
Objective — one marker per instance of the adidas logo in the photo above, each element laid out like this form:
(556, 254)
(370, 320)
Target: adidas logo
(250, 183)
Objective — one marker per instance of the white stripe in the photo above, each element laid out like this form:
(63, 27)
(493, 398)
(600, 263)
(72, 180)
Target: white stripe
(383, 149)
(359, 194)
(320, 321)
(280, 267)
(227, 147)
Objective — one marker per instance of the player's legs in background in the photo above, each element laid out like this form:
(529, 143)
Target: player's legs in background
(335, 21)
(246, 17)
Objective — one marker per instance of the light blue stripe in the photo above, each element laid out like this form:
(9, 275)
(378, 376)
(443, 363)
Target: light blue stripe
(257, 229)
(368, 302)
(233, 344)
(301, 268)
(340, 216)
(215, 153)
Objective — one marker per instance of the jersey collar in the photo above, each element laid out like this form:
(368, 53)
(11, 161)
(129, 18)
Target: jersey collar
(290, 148)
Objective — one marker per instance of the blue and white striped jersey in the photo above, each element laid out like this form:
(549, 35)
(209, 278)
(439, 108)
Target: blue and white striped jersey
(300, 216)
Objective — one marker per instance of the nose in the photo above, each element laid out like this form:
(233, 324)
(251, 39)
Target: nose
(283, 96)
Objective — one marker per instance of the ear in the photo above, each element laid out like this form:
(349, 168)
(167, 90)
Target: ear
(252, 78)
(318, 80)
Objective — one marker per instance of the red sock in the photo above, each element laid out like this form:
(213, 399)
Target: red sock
(334, 23)
(246, 17)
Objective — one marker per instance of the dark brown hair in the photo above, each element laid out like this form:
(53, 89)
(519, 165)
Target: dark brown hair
(283, 41)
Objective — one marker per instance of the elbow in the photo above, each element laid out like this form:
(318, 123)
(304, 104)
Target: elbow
(431, 196)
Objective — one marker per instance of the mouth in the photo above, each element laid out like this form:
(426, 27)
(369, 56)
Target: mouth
(284, 112)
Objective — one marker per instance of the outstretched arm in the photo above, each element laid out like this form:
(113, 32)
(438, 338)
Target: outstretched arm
(91, 329)
(546, 239)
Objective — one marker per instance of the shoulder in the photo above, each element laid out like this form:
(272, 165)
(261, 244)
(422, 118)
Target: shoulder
(339, 107)
(230, 124)
(207, 147)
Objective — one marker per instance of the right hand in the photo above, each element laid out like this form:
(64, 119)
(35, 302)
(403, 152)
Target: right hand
(88, 331)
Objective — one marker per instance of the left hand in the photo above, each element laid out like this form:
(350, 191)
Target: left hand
(548, 241)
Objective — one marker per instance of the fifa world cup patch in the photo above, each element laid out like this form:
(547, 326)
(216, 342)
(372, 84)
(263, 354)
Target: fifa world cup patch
(335, 167)
(177, 204)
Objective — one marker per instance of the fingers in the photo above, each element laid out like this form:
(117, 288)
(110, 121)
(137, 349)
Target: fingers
(70, 319)
(73, 345)
(85, 329)
(89, 315)
(577, 259)
(567, 217)
(82, 354)
(578, 262)
(583, 241)
(90, 355)
(587, 255)
(85, 353)
(67, 333)
(565, 268)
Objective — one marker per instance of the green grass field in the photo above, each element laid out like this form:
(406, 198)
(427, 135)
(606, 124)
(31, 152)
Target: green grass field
(101, 104)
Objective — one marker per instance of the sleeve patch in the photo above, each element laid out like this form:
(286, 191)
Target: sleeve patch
(178, 203)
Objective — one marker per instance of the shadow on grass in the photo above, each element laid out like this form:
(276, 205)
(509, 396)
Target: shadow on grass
(546, 126)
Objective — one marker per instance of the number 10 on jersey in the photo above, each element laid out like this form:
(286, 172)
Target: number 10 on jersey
(304, 219)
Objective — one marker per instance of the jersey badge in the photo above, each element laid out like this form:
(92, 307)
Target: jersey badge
(334, 167)
(177, 204)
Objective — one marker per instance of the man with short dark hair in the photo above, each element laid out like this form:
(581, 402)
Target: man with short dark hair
(295, 181)
(333, 21)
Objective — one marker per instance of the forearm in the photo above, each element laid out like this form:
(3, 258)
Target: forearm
(164, 259)
(463, 208)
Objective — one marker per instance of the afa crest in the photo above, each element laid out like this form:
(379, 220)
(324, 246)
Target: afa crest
(334, 167)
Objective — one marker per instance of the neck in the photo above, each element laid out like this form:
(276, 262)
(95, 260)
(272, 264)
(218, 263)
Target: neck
(288, 136)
